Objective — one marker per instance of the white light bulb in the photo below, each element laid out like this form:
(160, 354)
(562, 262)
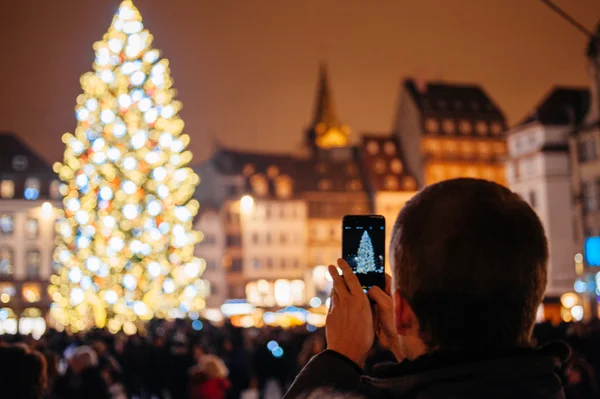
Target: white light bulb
(152, 157)
(73, 204)
(191, 269)
(168, 286)
(129, 282)
(76, 146)
(139, 139)
(177, 145)
(106, 193)
(182, 213)
(75, 275)
(139, 308)
(151, 56)
(124, 101)
(116, 244)
(119, 129)
(167, 112)
(93, 264)
(115, 45)
(77, 296)
(82, 217)
(128, 68)
(162, 191)
(109, 221)
(132, 27)
(154, 269)
(99, 158)
(130, 211)
(114, 154)
(154, 208)
(150, 116)
(82, 242)
(165, 139)
(129, 187)
(91, 104)
(111, 297)
(82, 114)
(129, 163)
(103, 56)
(137, 78)
(145, 104)
(107, 76)
(107, 116)
(159, 173)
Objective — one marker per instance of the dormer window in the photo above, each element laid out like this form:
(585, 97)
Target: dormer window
(396, 166)
(283, 187)
(390, 148)
(259, 185)
(20, 163)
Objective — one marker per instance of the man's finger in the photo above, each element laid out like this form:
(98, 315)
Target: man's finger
(339, 286)
(350, 278)
(388, 284)
(381, 299)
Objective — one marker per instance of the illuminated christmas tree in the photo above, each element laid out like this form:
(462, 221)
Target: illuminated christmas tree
(365, 258)
(126, 244)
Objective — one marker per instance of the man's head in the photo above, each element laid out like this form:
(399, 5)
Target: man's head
(469, 259)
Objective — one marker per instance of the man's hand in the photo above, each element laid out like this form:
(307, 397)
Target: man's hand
(349, 327)
(384, 319)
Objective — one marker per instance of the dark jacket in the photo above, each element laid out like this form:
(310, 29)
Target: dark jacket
(512, 374)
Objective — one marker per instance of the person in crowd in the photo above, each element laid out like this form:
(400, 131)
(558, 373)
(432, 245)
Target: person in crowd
(209, 380)
(469, 263)
(312, 346)
(581, 381)
(22, 373)
(84, 378)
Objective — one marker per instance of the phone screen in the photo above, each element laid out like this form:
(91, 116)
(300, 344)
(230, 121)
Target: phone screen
(363, 247)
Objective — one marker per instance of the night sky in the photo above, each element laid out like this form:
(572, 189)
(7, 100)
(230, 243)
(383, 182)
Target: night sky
(246, 70)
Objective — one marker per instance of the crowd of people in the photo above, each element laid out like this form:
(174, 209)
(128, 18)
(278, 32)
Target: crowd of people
(469, 264)
(170, 360)
(173, 360)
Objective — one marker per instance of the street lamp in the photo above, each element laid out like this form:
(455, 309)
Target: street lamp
(246, 204)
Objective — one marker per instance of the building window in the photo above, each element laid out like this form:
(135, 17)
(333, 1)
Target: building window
(254, 238)
(283, 238)
(352, 169)
(391, 183)
(586, 150)
(432, 126)
(248, 169)
(269, 263)
(396, 166)
(32, 228)
(325, 185)
(259, 185)
(55, 189)
(32, 292)
(272, 171)
(33, 264)
(6, 262)
(354, 185)
(296, 263)
(409, 183)
(496, 128)
(268, 238)
(372, 147)
(236, 265)
(532, 199)
(20, 163)
(448, 126)
(588, 193)
(209, 239)
(7, 189)
(7, 223)
(380, 166)
(32, 189)
(7, 291)
(390, 148)
(233, 240)
(465, 127)
(481, 128)
(283, 187)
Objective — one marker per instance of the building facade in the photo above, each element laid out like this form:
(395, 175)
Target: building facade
(29, 193)
(584, 148)
(538, 169)
(282, 213)
(449, 131)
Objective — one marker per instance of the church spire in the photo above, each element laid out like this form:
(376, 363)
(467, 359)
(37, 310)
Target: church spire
(326, 130)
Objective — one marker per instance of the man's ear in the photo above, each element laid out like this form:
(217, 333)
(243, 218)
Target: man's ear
(403, 315)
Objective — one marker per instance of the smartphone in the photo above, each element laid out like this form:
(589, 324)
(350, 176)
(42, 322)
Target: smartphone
(363, 247)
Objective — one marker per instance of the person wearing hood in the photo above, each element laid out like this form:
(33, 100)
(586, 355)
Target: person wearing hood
(469, 263)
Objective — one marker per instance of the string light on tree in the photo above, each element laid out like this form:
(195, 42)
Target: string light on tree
(125, 237)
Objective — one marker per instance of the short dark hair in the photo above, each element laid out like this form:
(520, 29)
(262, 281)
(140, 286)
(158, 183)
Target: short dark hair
(471, 260)
(22, 372)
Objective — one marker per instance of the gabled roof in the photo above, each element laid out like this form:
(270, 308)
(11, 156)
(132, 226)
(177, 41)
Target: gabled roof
(11, 148)
(561, 106)
(382, 161)
(451, 99)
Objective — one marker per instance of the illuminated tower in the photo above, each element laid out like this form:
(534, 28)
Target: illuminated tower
(126, 242)
(326, 130)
